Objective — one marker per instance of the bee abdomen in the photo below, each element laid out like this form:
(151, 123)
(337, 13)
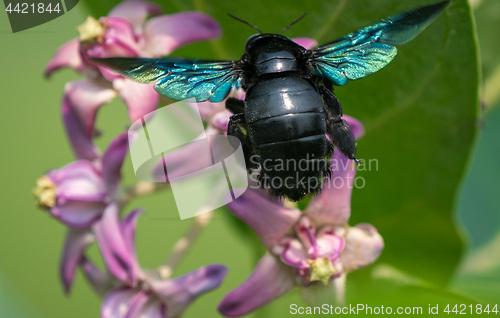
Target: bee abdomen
(287, 128)
(312, 147)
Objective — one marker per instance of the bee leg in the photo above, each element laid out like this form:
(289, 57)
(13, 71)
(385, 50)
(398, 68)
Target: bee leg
(235, 106)
(238, 128)
(327, 84)
(337, 128)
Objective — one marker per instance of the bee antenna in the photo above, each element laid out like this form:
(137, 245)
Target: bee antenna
(243, 21)
(296, 20)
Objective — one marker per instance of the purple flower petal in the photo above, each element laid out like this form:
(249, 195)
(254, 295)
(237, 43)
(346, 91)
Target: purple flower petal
(76, 242)
(180, 292)
(136, 304)
(269, 280)
(128, 225)
(79, 180)
(270, 220)
(115, 304)
(153, 309)
(363, 246)
(306, 230)
(333, 204)
(207, 109)
(239, 94)
(306, 43)
(98, 50)
(80, 193)
(100, 281)
(114, 249)
(330, 245)
(112, 162)
(188, 159)
(135, 11)
(85, 98)
(355, 125)
(141, 99)
(119, 32)
(123, 302)
(294, 254)
(119, 39)
(221, 120)
(78, 214)
(166, 33)
(66, 55)
(81, 142)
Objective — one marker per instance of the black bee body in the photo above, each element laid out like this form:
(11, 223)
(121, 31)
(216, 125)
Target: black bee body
(289, 104)
(289, 137)
(285, 118)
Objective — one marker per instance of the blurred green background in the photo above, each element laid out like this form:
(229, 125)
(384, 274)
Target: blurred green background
(434, 197)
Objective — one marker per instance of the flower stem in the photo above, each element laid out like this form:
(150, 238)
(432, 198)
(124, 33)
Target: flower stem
(492, 90)
(143, 188)
(339, 285)
(183, 245)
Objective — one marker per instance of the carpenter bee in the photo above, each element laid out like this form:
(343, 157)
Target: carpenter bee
(290, 108)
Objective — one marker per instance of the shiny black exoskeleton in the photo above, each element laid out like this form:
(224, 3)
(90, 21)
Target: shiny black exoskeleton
(286, 113)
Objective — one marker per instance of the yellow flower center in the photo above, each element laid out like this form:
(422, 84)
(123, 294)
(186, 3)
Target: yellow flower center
(321, 269)
(45, 192)
(91, 31)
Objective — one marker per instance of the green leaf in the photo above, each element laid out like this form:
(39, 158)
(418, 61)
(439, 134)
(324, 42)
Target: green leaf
(420, 114)
(487, 14)
(420, 117)
(383, 284)
(246, 232)
(479, 205)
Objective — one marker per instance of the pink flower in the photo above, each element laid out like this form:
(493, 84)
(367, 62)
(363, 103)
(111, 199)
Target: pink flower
(305, 249)
(131, 291)
(78, 193)
(125, 33)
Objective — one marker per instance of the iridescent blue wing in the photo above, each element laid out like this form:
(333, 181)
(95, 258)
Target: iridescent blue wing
(368, 50)
(180, 79)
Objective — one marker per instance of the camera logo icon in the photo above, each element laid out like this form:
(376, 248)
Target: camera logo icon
(204, 171)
